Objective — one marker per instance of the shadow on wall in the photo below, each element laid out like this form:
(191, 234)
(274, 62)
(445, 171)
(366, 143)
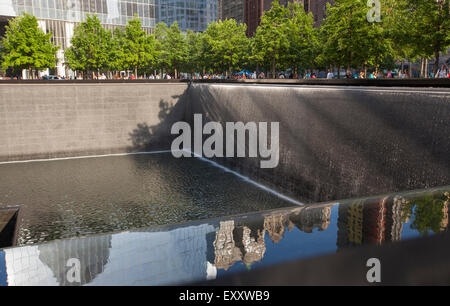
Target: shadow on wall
(145, 138)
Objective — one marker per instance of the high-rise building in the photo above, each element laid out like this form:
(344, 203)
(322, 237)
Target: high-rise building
(254, 9)
(192, 15)
(232, 9)
(61, 16)
(317, 8)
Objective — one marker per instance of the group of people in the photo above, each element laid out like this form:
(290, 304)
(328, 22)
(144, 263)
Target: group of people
(443, 72)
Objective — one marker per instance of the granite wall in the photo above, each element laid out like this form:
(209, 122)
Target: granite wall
(67, 119)
(335, 142)
(340, 142)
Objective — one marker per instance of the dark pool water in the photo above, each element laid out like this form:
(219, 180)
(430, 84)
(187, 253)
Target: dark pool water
(210, 249)
(77, 197)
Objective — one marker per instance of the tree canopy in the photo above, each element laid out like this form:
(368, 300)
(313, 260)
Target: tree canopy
(227, 45)
(285, 39)
(26, 46)
(90, 46)
(138, 48)
(171, 46)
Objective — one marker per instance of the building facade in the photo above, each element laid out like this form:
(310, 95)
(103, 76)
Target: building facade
(232, 9)
(317, 8)
(254, 9)
(192, 15)
(61, 16)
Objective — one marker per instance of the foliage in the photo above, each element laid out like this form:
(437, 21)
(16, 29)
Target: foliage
(138, 48)
(428, 213)
(26, 46)
(227, 45)
(302, 37)
(90, 46)
(422, 28)
(171, 46)
(286, 38)
(271, 40)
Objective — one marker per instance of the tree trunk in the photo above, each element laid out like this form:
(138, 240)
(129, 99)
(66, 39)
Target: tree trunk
(274, 68)
(437, 45)
(135, 72)
(422, 64)
(349, 61)
(339, 71)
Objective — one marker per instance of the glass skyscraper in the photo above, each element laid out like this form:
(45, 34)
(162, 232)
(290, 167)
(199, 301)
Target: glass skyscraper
(114, 12)
(189, 14)
(61, 16)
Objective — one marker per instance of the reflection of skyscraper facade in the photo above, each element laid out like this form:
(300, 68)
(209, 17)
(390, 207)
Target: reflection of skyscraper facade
(198, 252)
(92, 252)
(309, 219)
(246, 243)
(192, 15)
(370, 222)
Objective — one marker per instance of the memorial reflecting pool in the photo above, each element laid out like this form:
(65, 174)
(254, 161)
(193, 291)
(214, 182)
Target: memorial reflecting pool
(77, 197)
(209, 249)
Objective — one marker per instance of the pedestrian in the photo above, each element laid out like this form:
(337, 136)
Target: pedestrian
(406, 74)
(330, 74)
(441, 73)
(349, 75)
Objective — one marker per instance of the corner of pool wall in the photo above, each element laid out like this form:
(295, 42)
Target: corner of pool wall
(335, 142)
(8, 226)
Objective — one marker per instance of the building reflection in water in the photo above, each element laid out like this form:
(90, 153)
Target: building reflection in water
(196, 252)
(375, 221)
(246, 243)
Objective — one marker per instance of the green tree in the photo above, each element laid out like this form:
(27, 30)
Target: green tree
(349, 39)
(329, 55)
(116, 52)
(26, 46)
(227, 45)
(197, 55)
(423, 27)
(139, 49)
(90, 47)
(271, 40)
(302, 38)
(347, 23)
(428, 212)
(171, 46)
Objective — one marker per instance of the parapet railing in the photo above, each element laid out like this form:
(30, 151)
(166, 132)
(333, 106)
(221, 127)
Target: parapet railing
(437, 83)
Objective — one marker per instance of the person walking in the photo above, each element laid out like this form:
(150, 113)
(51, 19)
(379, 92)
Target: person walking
(330, 74)
(442, 73)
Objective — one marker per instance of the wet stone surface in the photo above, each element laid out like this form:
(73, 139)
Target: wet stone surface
(77, 197)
